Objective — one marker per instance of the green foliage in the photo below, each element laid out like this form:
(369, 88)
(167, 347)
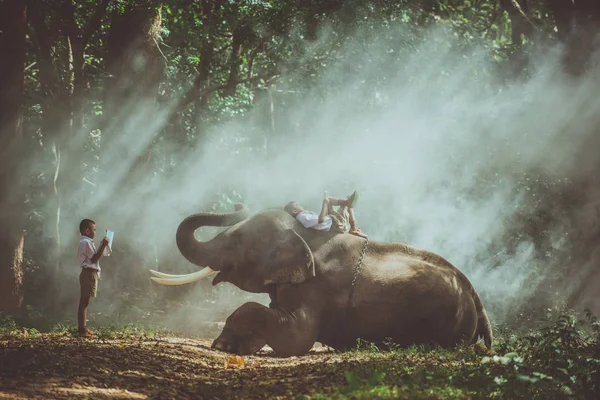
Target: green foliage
(7, 324)
(557, 360)
(106, 332)
(25, 326)
(12, 326)
(365, 345)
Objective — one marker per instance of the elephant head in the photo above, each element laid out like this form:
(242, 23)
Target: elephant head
(253, 253)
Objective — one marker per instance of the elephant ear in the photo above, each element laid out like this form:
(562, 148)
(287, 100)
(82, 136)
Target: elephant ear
(290, 260)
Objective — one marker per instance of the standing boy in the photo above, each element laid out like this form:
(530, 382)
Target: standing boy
(90, 270)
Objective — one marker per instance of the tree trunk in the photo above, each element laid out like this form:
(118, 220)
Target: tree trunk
(77, 40)
(133, 58)
(13, 24)
(234, 61)
(74, 134)
(578, 25)
(316, 9)
(210, 11)
(517, 11)
(60, 51)
(202, 82)
(135, 66)
(55, 114)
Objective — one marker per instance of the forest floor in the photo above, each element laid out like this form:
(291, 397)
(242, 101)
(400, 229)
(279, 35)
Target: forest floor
(133, 366)
(119, 363)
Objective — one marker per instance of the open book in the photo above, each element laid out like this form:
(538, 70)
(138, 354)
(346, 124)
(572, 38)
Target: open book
(110, 235)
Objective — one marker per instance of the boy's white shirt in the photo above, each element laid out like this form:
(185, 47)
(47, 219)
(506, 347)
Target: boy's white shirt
(85, 251)
(311, 220)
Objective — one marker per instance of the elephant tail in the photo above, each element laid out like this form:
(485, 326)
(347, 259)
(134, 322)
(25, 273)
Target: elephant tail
(484, 327)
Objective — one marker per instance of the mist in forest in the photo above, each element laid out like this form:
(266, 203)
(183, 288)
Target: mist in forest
(444, 152)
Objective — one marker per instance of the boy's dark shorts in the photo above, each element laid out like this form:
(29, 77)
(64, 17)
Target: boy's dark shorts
(88, 281)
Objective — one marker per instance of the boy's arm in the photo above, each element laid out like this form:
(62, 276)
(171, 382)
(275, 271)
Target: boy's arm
(98, 254)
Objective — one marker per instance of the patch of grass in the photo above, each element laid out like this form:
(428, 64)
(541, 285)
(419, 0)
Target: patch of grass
(556, 361)
(64, 328)
(122, 331)
(7, 324)
(11, 326)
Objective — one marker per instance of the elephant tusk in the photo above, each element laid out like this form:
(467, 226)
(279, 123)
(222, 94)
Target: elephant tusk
(168, 279)
(163, 275)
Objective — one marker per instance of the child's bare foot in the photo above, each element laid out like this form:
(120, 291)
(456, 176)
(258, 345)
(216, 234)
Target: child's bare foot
(357, 232)
(85, 333)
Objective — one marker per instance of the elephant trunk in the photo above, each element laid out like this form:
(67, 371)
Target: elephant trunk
(205, 253)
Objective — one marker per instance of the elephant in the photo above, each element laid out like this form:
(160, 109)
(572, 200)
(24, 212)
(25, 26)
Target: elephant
(328, 287)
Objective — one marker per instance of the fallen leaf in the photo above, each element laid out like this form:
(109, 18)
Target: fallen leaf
(234, 361)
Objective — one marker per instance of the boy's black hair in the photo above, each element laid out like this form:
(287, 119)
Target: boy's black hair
(85, 223)
(289, 207)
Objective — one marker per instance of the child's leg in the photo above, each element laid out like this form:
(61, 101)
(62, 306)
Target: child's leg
(84, 302)
(348, 202)
(354, 230)
(325, 209)
(334, 201)
(351, 219)
(88, 282)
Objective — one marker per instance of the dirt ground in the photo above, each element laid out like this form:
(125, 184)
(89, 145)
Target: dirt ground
(56, 366)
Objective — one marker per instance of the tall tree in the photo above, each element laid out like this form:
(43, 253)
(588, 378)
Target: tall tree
(578, 26)
(210, 11)
(60, 45)
(13, 24)
(133, 56)
(135, 66)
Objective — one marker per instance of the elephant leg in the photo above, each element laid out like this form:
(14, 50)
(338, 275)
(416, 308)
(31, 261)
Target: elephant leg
(253, 325)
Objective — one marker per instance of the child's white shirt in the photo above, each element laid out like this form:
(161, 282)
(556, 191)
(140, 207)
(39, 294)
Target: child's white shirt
(311, 220)
(85, 251)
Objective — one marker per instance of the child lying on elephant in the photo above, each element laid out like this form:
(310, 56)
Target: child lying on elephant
(329, 219)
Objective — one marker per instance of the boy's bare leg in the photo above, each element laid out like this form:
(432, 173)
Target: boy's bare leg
(84, 302)
(354, 230)
(347, 202)
(329, 203)
(334, 201)
(325, 209)
(351, 218)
